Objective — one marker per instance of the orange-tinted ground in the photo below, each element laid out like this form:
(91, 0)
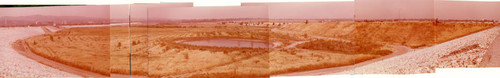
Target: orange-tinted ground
(299, 47)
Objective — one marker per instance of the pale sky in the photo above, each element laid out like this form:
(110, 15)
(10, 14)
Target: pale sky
(425, 9)
(467, 10)
(100, 11)
(394, 9)
(139, 11)
(183, 13)
(362, 9)
(308, 10)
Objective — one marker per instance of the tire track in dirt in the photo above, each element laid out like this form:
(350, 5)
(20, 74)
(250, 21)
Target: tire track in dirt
(294, 44)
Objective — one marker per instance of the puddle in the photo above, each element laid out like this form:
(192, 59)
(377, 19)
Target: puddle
(227, 42)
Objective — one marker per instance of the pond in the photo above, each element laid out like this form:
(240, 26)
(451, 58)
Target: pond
(227, 42)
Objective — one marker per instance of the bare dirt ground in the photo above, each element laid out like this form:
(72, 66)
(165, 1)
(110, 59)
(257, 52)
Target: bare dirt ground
(16, 65)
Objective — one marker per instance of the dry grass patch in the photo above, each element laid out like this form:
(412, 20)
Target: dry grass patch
(319, 54)
(120, 50)
(168, 58)
(86, 48)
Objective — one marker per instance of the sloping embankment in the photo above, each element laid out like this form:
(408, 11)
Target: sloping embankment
(466, 51)
(16, 65)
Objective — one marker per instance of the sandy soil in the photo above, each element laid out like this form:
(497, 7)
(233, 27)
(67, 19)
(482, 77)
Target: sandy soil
(16, 65)
(461, 52)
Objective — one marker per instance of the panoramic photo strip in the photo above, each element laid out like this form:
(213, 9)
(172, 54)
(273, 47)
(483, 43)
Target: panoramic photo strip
(253, 40)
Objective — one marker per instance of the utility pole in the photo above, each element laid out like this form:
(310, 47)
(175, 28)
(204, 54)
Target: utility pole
(130, 45)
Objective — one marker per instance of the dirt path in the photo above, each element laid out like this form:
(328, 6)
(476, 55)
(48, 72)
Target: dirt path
(492, 56)
(330, 38)
(294, 44)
